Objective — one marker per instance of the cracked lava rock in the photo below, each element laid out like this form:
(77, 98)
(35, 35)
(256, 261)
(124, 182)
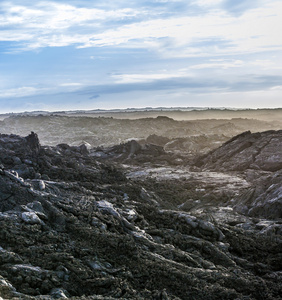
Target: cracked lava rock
(75, 227)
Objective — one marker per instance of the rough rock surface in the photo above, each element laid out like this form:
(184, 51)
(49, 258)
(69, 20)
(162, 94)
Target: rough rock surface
(92, 233)
(196, 144)
(263, 198)
(258, 156)
(258, 151)
(134, 152)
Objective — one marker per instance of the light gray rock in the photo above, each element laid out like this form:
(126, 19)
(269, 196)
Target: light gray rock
(107, 207)
(41, 185)
(30, 218)
(59, 293)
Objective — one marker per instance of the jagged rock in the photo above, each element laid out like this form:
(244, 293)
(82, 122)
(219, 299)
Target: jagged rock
(107, 207)
(195, 145)
(24, 171)
(58, 293)
(247, 151)
(41, 185)
(33, 142)
(133, 151)
(259, 156)
(7, 257)
(97, 223)
(36, 206)
(30, 218)
(7, 291)
(205, 227)
(264, 199)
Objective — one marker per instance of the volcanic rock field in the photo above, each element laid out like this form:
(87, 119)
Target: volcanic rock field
(150, 208)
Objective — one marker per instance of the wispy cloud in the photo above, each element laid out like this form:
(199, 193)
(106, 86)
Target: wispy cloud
(189, 83)
(19, 92)
(25, 91)
(74, 84)
(180, 85)
(223, 64)
(208, 3)
(148, 77)
(51, 24)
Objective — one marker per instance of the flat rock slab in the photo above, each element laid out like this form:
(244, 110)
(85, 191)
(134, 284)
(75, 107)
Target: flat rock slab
(203, 179)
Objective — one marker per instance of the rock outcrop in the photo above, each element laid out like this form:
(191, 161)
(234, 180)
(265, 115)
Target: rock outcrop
(131, 152)
(258, 151)
(263, 199)
(258, 157)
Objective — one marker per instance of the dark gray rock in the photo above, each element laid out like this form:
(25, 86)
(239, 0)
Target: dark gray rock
(246, 151)
(258, 157)
(264, 199)
(157, 140)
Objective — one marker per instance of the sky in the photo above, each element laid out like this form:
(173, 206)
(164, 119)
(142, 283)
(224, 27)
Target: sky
(78, 54)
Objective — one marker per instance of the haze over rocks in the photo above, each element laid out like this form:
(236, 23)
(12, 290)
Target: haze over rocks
(143, 219)
(108, 131)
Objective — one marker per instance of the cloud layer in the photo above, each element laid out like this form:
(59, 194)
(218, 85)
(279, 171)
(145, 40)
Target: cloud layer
(210, 31)
(54, 47)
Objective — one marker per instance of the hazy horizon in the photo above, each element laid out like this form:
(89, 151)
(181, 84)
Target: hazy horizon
(81, 55)
(144, 110)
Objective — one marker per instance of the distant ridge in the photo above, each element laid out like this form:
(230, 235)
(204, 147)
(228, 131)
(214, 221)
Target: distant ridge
(143, 109)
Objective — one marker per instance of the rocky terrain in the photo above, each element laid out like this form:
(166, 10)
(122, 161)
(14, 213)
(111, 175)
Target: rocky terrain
(135, 221)
(189, 136)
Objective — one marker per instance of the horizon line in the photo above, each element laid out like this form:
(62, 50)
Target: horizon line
(139, 109)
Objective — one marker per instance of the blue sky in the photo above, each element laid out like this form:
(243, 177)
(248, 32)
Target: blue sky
(65, 55)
